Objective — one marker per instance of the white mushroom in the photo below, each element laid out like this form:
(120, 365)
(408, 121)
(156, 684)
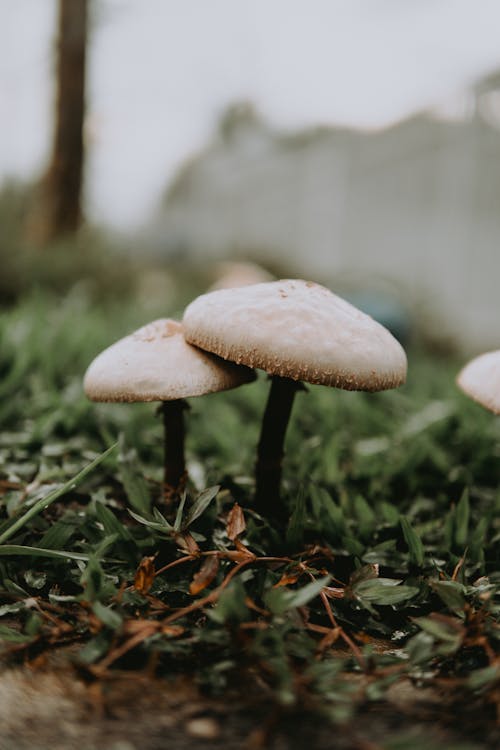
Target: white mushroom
(232, 274)
(294, 330)
(156, 364)
(480, 379)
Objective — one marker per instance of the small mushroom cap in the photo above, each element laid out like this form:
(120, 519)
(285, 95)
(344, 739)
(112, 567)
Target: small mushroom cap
(232, 274)
(299, 330)
(480, 379)
(156, 364)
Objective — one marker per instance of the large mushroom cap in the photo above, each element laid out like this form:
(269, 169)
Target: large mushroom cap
(156, 364)
(480, 379)
(299, 330)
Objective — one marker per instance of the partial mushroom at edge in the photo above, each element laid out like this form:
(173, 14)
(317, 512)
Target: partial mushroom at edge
(480, 380)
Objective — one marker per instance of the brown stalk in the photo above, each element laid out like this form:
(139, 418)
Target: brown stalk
(175, 475)
(270, 450)
(354, 648)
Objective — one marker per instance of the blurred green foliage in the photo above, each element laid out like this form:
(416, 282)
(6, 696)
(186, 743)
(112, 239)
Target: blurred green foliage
(89, 258)
(109, 268)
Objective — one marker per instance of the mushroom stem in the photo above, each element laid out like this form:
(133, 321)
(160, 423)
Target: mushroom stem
(174, 461)
(270, 450)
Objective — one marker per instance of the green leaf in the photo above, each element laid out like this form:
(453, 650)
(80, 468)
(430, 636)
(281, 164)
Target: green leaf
(33, 624)
(18, 549)
(295, 530)
(8, 609)
(448, 526)
(304, 595)
(92, 580)
(281, 599)
(445, 632)
(13, 636)
(484, 677)
(462, 515)
(44, 503)
(440, 628)
(133, 480)
(353, 545)
(415, 546)
(270, 647)
(160, 518)
(384, 591)
(162, 526)
(452, 594)
(366, 520)
(111, 523)
(57, 535)
(107, 616)
(364, 573)
(389, 513)
(106, 543)
(180, 511)
(231, 605)
(477, 540)
(96, 648)
(200, 505)
(328, 512)
(420, 648)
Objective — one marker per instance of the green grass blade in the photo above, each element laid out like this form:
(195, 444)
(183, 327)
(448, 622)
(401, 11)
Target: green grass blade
(200, 505)
(133, 481)
(462, 517)
(412, 539)
(53, 496)
(19, 549)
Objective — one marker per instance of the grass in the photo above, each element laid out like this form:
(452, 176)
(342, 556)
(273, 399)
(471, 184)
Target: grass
(387, 570)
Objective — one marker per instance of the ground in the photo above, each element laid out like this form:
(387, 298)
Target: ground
(365, 617)
(55, 708)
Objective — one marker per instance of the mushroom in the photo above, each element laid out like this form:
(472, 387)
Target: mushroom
(232, 274)
(294, 330)
(480, 379)
(156, 364)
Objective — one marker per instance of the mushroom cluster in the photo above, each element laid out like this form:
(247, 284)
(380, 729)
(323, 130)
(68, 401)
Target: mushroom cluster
(292, 329)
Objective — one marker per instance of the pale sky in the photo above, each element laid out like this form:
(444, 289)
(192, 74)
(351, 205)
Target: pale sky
(161, 71)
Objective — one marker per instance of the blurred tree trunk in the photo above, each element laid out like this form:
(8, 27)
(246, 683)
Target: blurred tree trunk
(58, 203)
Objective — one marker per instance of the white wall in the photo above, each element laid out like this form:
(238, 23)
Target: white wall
(417, 205)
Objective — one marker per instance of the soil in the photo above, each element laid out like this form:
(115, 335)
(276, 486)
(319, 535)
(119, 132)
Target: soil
(54, 707)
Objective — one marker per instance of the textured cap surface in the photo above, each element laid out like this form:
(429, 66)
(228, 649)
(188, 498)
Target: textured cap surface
(480, 379)
(156, 364)
(299, 330)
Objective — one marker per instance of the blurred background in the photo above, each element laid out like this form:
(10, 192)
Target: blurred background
(351, 142)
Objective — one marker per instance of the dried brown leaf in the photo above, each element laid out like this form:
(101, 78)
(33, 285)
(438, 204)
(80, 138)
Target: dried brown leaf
(187, 544)
(205, 575)
(235, 524)
(255, 607)
(286, 579)
(242, 547)
(333, 592)
(145, 575)
(146, 627)
(172, 630)
(242, 554)
(94, 624)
